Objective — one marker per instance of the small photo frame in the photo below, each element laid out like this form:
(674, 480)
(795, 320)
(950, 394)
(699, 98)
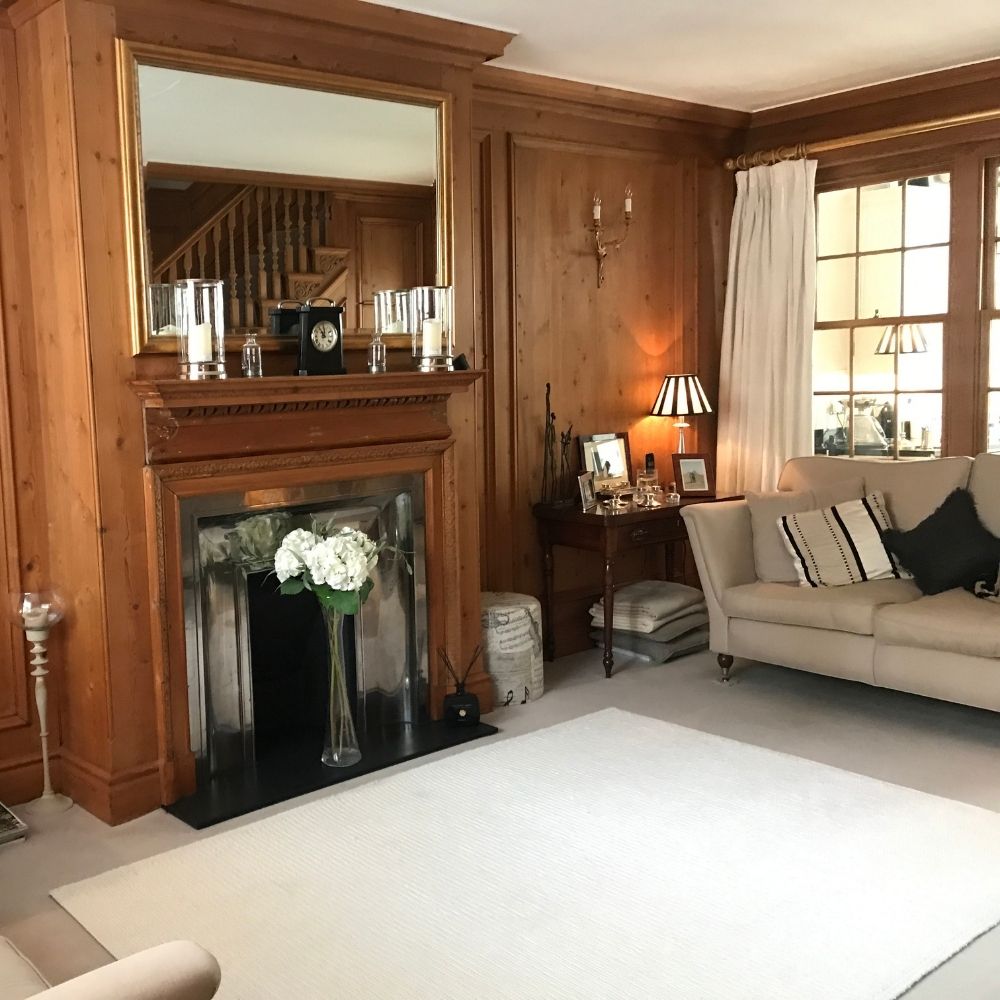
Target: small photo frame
(694, 475)
(588, 495)
(607, 456)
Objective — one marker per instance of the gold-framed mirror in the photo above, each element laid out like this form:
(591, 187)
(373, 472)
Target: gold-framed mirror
(284, 183)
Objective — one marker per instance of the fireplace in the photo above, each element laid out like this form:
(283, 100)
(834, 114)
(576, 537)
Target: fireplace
(257, 660)
(231, 465)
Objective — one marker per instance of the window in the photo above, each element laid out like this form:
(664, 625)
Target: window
(881, 305)
(991, 301)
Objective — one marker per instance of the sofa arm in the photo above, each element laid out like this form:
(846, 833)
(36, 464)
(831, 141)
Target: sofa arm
(722, 543)
(179, 970)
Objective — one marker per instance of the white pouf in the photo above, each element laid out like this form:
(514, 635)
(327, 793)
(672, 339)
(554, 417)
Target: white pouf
(512, 646)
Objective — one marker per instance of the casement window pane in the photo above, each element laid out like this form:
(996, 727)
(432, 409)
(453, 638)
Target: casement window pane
(993, 434)
(872, 372)
(996, 277)
(830, 425)
(881, 221)
(924, 370)
(920, 424)
(836, 222)
(831, 361)
(928, 210)
(996, 174)
(994, 347)
(873, 424)
(925, 281)
(835, 289)
(879, 285)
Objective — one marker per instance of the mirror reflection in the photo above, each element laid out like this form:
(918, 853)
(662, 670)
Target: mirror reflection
(284, 194)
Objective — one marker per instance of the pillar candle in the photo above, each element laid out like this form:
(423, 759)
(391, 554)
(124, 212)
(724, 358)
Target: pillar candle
(200, 343)
(431, 338)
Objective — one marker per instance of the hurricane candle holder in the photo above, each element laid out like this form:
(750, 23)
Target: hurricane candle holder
(392, 316)
(431, 318)
(199, 310)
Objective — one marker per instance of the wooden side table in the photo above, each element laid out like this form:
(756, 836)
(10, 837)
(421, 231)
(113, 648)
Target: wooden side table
(611, 533)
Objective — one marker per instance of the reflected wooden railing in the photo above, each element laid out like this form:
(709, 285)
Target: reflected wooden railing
(267, 244)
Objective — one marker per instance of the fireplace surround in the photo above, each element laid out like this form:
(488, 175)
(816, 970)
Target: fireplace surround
(300, 447)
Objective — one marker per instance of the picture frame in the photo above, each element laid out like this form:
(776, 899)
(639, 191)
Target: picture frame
(608, 457)
(588, 495)
(694, 475)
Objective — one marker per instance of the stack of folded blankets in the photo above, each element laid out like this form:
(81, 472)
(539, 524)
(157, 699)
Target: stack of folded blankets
(655, 619)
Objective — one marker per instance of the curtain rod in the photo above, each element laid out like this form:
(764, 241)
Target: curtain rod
(767, 157)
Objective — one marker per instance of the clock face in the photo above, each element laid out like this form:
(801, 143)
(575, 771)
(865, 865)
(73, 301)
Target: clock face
(324, 336)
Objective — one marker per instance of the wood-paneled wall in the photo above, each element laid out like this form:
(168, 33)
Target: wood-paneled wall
(528, 155)
(543, 317)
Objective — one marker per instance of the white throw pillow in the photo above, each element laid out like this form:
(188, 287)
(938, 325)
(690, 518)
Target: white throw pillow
(770, 554)
(841, 544)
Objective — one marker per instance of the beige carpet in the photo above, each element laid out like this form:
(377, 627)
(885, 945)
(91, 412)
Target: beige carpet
(611, 856)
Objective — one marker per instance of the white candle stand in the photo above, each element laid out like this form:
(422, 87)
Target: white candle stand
(36, 614)
(50, 801)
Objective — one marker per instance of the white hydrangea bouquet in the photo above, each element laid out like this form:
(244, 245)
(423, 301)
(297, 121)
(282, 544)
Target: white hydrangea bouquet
(337, 568)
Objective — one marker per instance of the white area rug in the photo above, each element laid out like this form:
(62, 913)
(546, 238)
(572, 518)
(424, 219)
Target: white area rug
(614, 857)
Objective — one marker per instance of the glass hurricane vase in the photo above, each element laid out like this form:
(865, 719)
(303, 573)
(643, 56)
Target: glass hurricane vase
(340, 748)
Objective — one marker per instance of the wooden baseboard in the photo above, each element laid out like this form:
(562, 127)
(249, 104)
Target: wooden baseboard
(21, 777)
(114, 798)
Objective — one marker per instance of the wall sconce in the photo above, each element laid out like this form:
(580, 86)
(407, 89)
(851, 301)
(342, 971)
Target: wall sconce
(602, 248)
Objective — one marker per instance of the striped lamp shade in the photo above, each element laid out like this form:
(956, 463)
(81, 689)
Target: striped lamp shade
(910, 337)
(680, 396)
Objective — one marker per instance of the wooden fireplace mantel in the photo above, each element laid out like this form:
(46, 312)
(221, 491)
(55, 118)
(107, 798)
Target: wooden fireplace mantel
(268, 438)
(191, 420)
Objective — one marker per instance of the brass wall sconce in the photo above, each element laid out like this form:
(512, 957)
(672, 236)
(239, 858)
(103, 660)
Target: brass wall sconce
(602, 247)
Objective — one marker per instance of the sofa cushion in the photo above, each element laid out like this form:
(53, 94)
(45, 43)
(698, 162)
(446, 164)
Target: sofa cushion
(841, 545)
(950, 548)
(912, 489)
(842, 609)
(771, 557)
(953, 622)
(18, 977)
(984, 485)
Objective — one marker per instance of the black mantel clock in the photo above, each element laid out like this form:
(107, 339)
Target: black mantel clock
(321, 338)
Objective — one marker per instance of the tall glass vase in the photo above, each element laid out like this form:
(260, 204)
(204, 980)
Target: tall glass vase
(340, 749)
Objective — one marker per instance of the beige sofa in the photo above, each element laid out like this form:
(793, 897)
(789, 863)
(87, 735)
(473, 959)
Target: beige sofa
(179, 970)
(881, 632)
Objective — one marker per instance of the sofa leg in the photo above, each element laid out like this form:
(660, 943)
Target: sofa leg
(725, 664)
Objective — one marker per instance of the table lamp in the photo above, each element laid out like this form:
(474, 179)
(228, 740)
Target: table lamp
(680, 396)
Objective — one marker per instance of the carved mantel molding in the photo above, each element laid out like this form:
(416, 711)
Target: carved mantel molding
(189, 421)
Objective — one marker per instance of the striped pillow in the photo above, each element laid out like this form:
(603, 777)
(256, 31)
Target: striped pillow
(841, 544)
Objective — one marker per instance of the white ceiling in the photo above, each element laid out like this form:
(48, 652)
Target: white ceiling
(218, 121)
(743, 54)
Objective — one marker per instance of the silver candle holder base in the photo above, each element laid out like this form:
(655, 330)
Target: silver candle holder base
(436, 364)
(197, 371)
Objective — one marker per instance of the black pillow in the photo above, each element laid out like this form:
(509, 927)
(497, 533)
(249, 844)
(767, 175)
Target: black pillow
(948, 549)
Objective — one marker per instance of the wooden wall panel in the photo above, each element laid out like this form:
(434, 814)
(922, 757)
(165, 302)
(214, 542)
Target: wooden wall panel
(22, 502)
(543, 318)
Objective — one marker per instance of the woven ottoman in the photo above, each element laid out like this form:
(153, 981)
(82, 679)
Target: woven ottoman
(512, 646)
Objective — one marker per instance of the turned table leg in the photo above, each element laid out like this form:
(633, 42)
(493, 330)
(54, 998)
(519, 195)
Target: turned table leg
(609, 614)
(548, 631)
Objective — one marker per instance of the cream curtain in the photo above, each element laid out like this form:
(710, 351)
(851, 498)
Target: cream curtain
(765, 391)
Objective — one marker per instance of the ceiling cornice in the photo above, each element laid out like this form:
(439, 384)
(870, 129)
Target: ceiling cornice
(497, 84)
(466, 43)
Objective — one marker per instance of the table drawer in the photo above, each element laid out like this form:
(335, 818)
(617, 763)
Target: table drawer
(633, 536)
